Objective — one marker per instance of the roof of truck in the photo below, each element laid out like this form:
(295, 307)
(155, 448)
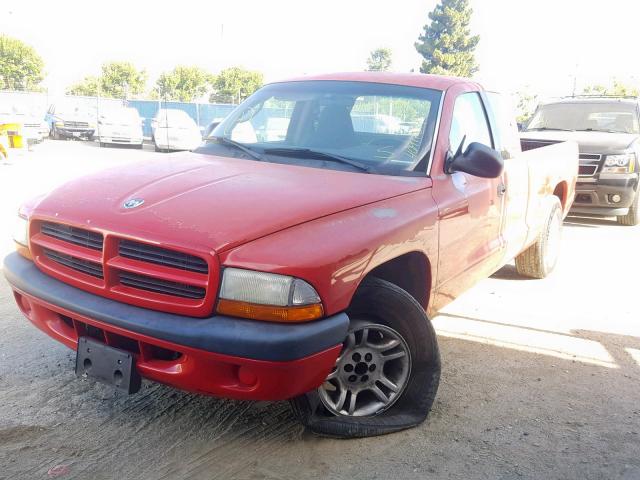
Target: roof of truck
(436, 82)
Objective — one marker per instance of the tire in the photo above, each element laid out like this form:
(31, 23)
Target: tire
(101, 144)
(633, 217)
(54, 133)
(539, 260)
(379, 304)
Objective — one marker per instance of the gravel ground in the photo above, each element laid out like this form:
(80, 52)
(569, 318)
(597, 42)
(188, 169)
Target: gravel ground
(540, 380)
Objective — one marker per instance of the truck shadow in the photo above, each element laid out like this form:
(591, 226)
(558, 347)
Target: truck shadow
(509, 394)
(588, 222)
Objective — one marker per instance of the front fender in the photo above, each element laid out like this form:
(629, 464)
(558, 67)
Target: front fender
(334, 253)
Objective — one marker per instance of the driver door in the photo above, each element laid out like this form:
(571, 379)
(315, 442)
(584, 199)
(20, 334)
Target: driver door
(469, 208)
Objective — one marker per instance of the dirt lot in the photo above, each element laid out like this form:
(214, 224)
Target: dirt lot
(541, 380)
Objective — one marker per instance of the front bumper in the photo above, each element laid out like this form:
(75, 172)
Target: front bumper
(120, 140)
(222, 356)
(593, 196)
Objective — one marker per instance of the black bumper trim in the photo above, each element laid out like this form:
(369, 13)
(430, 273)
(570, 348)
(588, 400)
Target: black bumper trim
(218, 334)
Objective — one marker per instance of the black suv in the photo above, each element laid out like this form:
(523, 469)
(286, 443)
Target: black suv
(607, 130)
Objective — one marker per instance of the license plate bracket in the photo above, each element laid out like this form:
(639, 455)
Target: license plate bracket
(107, 365)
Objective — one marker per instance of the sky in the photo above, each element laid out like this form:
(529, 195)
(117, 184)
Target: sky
(536, 46)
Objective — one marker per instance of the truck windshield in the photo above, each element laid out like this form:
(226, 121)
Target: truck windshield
(615, 117)
(378, 128)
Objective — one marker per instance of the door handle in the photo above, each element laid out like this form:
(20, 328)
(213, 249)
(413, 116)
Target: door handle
(502, 189)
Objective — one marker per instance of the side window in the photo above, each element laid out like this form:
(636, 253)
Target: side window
(470, 121)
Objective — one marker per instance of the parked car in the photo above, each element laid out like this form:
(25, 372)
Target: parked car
(70, 118)
(305, 267)
(119, 125)
(30, 121)
(174, 130)
(607, 130)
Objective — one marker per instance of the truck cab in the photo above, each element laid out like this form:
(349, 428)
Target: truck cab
(607, 130)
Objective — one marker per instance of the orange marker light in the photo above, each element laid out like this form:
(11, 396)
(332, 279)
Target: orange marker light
(303, 313)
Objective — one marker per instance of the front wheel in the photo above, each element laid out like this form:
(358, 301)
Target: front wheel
(633, 217)
(388, 371)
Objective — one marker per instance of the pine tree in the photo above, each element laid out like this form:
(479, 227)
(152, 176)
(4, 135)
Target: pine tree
(446, 44)
(379, 60)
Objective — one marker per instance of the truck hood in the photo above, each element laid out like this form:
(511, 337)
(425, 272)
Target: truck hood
(588, 142)
(210, 202)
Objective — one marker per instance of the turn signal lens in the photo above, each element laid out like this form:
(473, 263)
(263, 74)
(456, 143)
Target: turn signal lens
(24, 251)
(270, 313)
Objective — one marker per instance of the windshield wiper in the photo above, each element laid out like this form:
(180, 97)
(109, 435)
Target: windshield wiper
(239, 146)
(309, 153)
(549, 128)
(600, 130)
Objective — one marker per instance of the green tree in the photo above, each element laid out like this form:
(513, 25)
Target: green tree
(89, 87)
(183, 83)
(117, 80)
(235, 84)
(525, 106)
(20, 66)
(616, 88)
(120, 78)
(446, 44)
(379, 60)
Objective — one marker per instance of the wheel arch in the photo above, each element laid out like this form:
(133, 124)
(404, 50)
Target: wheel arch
(410, 271)
(560, 191)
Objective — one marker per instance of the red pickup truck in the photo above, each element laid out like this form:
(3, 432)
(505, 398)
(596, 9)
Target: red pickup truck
(300, 251)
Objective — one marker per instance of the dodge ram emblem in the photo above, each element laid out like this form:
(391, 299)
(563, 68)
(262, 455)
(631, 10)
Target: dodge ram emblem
(133, 203)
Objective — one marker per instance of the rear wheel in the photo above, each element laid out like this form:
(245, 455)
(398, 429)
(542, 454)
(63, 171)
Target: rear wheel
(387, 374)
(54, 133)
(633, 217)
(539, 260)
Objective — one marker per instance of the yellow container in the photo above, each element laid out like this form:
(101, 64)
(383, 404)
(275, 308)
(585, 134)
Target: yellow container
(14, 132)
(4, 146)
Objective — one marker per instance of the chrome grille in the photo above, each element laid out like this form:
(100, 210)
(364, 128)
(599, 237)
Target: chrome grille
(589, 164)
(72, 124)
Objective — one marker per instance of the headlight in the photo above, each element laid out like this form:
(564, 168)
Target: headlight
(267, 296)
(59, 123)
(21, 231)
(623, 163)
(21, 236)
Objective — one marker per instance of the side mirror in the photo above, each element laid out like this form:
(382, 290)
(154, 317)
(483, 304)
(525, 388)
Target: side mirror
(477, 160)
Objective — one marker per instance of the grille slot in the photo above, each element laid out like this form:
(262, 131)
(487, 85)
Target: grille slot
(72, 124)
(162, 256)
(84, 266)
(166, 287)
(587, 170)
(589, 163)
(590, 156)
(75, 235)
